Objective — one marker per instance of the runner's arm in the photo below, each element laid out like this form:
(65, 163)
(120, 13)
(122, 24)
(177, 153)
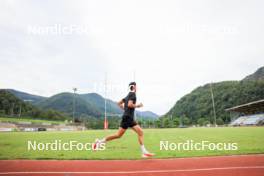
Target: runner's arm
(132, 105)
(121, 104)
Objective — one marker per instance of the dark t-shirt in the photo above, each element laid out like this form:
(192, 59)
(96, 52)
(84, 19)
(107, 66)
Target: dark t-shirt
(129, 112)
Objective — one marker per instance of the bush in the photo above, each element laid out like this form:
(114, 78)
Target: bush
(201, 121)
(206, 122)
(176, 122)
(186, 121)
(219, 121)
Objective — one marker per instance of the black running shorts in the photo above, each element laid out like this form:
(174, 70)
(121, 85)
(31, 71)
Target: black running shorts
(127, 122)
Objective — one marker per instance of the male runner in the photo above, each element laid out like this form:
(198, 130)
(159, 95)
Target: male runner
(128, 104)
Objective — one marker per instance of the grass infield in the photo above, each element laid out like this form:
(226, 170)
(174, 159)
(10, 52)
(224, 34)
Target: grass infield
(17, 120)
(14, 145)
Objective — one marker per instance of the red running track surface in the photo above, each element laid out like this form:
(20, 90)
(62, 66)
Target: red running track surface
(242, 165)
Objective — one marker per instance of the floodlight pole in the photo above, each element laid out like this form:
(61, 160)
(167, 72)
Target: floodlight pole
(20, 110)
(171, 119)
(105, 97)
(73, 108)
(212, 95)
(181, 121)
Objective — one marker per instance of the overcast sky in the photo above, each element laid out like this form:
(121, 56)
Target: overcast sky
(168, 47)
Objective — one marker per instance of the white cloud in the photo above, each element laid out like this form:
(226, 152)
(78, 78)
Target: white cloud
(173, 46)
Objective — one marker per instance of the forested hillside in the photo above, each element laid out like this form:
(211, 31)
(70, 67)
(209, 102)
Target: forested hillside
(196, 107)
(12, 106)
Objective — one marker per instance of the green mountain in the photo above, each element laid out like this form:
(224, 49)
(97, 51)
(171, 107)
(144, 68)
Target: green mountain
(11, 105)
(112, 107)
(258, 75)
(147, 115)
(198, 103)
(98, 101)
(63, 102)
(26, 96)
(90, 104)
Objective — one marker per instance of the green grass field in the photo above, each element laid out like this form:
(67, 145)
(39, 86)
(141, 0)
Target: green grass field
(13, 145)
(16, 120)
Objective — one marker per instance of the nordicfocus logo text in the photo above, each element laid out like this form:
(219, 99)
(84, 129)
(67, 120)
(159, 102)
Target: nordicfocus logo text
(58, 145)
(191, 145)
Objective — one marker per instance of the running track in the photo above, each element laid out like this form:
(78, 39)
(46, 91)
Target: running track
(244, 165)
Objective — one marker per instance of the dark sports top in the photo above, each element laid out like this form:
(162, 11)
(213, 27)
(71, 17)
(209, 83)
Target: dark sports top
(129, 111)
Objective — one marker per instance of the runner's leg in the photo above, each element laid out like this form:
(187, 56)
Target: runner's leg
(144, 151)
(119, 134)
(139, 132)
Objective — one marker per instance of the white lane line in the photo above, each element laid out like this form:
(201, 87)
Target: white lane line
(135, 172)
(151, 159)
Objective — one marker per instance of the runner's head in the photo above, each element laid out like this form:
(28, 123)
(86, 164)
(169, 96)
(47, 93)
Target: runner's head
(132, 87)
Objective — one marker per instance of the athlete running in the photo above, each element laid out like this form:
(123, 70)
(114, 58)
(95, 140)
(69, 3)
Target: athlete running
(128, 104)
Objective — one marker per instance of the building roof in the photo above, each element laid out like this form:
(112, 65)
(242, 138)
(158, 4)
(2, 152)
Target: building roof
(249, 108)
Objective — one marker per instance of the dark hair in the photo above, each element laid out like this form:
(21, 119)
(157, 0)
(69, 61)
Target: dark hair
(132, 85)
